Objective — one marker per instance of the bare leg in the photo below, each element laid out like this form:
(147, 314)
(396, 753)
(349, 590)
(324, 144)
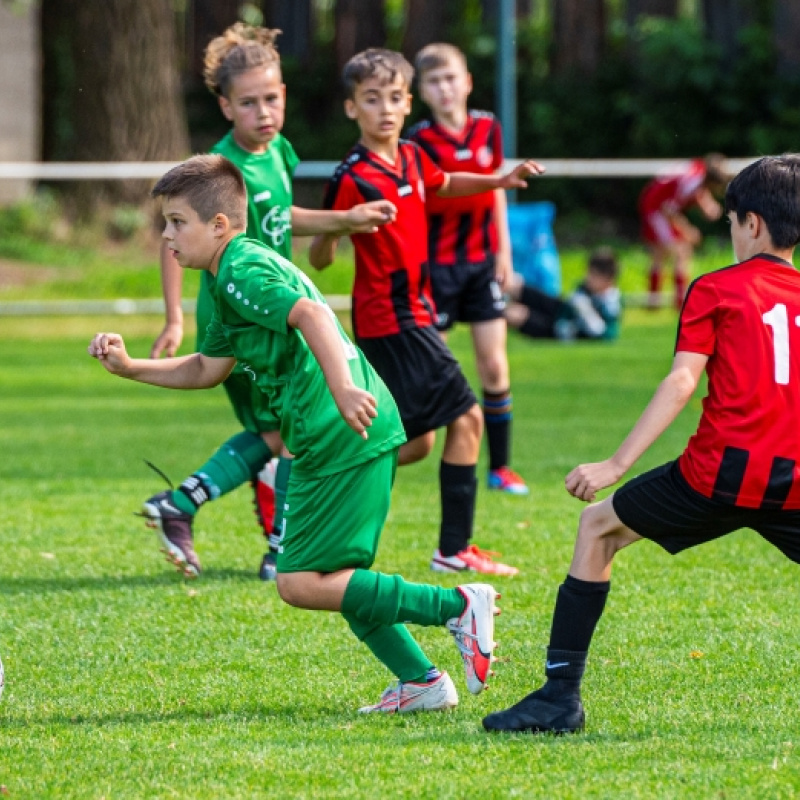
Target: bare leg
(463, 441)
(659, 253)
(318, 591)
(416, 449)
(601, 535)
(489, 342)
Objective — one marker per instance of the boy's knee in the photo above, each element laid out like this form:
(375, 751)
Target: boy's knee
(494, 371)
(416, 449)
(289, 589)
(272, 439)
(472, 421)
(600, 526)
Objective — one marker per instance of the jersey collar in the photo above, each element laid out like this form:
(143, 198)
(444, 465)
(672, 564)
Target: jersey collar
(382, 166)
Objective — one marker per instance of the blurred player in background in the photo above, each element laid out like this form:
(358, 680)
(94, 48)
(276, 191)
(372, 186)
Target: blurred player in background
(668, 233)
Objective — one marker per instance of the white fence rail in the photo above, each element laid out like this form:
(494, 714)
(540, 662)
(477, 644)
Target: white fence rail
(126, 170)
(119, 307)
(319, 170)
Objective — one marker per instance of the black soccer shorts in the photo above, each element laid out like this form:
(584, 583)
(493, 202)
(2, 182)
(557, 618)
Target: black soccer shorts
(466, 293)
(661, 506)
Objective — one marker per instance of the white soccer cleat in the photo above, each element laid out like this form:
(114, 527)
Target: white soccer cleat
(474, 633)
(401, 698)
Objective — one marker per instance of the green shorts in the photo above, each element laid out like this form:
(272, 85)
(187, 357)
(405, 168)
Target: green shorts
(239, 388)
(335, 522)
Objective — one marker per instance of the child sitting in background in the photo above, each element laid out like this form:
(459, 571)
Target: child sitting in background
(592, 311)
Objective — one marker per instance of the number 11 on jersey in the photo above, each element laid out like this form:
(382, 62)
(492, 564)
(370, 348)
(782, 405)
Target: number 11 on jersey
(777, 318)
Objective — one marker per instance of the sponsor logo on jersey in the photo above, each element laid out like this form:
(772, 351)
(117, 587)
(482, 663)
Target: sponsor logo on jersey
(275, 225)
(484, 156)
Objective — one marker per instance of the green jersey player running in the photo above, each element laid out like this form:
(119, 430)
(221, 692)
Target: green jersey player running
(336, 417)
(242, 67)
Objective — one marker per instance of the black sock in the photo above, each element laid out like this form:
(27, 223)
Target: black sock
(539, 326)
(579, 606)
(497, 415)
(458, 487)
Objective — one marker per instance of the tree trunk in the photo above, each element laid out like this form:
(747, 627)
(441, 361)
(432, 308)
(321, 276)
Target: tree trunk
(650, 8)
(205, 19)
(359, 25)
(524, 9)
(426, 22)
(578, 35)
(296, 19)
(786, 30)
(723, 20)
(112, 88)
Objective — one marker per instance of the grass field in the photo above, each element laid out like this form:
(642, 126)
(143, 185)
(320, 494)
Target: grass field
(124, 681)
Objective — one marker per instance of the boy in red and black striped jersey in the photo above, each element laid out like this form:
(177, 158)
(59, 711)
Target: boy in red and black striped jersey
(741, 469)
(469, 244)
(393, 311)
(669, 234)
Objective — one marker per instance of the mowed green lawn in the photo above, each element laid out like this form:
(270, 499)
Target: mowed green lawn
(124, 681)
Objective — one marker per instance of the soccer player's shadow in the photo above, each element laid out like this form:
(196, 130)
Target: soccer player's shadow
(35, 585)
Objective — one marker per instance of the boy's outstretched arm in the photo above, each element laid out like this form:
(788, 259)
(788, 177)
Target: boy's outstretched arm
(170, 338)
(194, 371)
(708, 204)
(315, 322)
(460, 184)
(323, 250)
(672, 394)
(362, 218)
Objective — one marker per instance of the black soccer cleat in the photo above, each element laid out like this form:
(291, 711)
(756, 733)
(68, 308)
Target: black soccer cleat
(538, 714)
(174, 531)
(269, 569)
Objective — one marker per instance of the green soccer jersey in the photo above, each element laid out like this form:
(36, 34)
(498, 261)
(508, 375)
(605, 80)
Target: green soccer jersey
(253, 293)
(268, 178)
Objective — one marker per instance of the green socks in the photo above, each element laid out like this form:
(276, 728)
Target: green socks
(236, 462)
(394, 647)
(281, 486)
(374, 604)
(388, 599)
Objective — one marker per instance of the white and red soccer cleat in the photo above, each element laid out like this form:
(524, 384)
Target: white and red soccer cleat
(473, 632)
(471, 559)
(401, 698)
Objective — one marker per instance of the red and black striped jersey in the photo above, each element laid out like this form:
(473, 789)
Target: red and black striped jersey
(462, 230)
(391, 291)
(746, 318)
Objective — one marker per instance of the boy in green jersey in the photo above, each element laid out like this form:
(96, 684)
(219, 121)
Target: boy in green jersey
(336, 417)
(242, 68)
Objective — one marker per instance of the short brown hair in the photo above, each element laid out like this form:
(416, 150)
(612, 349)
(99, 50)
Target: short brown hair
(375, 61)
(604, 262)
(240, 48)
(436, 55)
(211, 185)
